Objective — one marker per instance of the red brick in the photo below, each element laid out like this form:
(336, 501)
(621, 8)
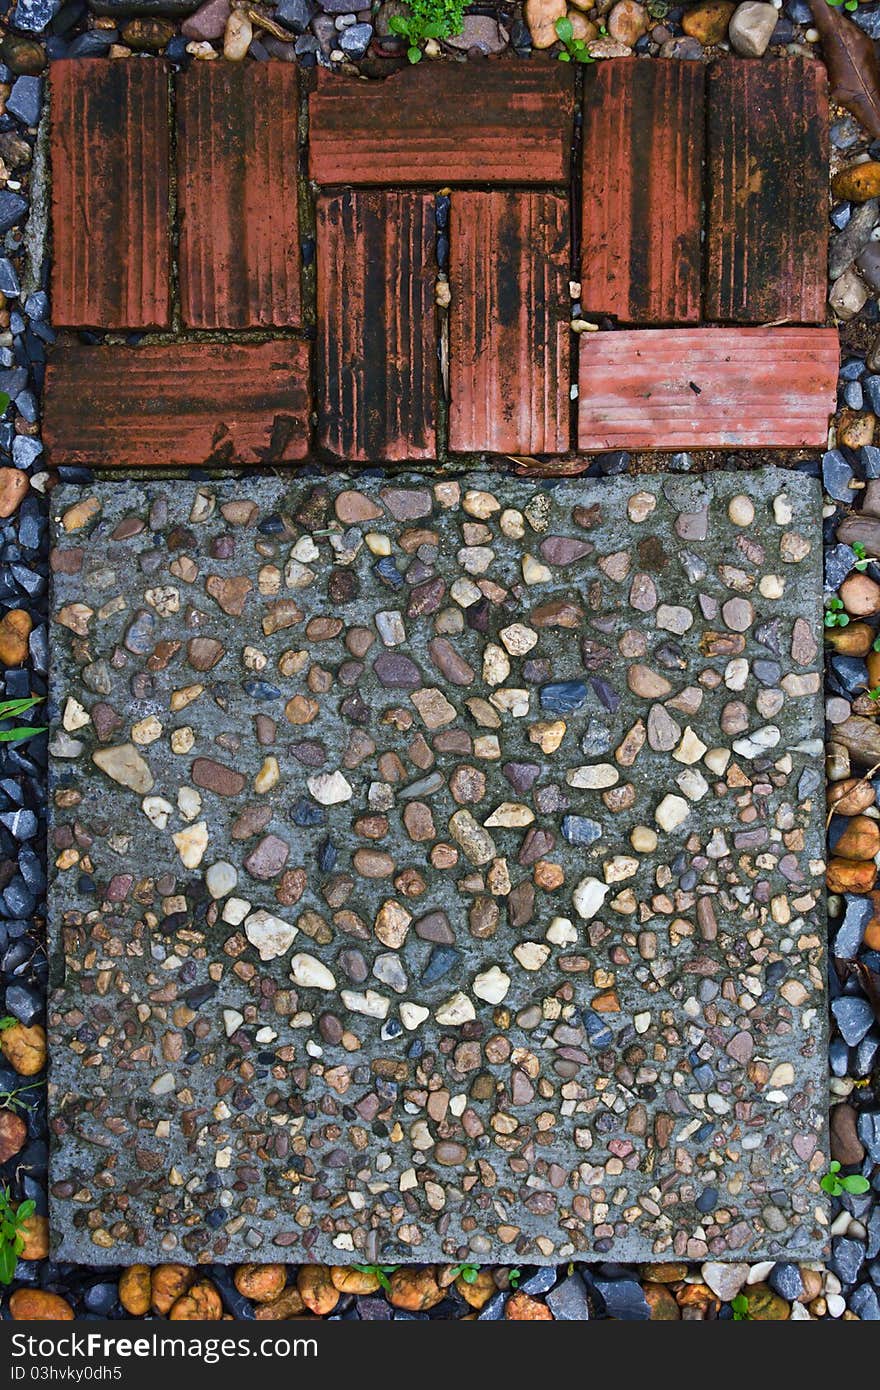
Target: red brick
(110, 205)
(444, 123)
(767, 236)
(184, 403)
(377, 368)
(239, 252)
(509, 334)
(704, 388)
(642, 190)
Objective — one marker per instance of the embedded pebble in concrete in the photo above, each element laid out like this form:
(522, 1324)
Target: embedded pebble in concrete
(439, 867)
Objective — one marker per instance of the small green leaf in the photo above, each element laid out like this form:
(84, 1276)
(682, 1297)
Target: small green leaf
(564, 29)
(13, 709)
(740, 1306)
(5, 398)
(855, 1184)
(414, 54)
(16, 735)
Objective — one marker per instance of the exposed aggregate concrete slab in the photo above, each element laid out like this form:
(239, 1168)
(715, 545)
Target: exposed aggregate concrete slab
(437, 869)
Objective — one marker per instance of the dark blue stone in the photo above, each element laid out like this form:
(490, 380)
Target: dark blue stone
(853, 1017)
(623, 1299)
(846, 1258)
(539, 1282)
(869, 1133)
(865, 1054)
(440, 962)
(869, 457)
(261, 690)
(568, 1302)
(858, 914)
(386, 569)
(355, 40)
(838, 1057)
(599, 1033)
(24, 101)
(12, 209)
(305, 814)
(33, 15)
(101, 1298)
(837, 476)
(864, 1303)
(563, 696)
(785, 1279)
(493, 1311)
(851, 672)
(295, 14)
(580, 830)
(704, 1076)
(852, 369)
(853, 395)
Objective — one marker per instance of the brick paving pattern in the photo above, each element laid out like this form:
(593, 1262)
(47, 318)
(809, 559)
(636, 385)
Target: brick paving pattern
(440, 866)
(767, 232)
(642, 190)
(110, 195)
(237, 195)
(738, 388)
(509, 334)
(499, 262)
(445, 124)
(179, 403)
(377, 365)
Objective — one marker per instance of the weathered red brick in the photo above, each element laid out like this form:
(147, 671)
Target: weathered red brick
(444, 123)
(110, 204)
(642, 169)
(239, 251)
(181, 403)
(377, 369)
(509, 334)
(703, 388)
(768, 151)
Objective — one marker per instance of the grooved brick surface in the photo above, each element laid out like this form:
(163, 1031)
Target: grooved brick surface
(768, 150)
(377, 368)
(110, 194)
(183, 403)
(703, 388)
(239, 251)
(444, 123)
(642, 190)
(509, 323)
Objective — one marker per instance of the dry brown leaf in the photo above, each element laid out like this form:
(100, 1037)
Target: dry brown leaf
(851, 60)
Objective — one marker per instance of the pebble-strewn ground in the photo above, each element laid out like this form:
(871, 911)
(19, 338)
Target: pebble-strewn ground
(440, 865)
(846, 1285)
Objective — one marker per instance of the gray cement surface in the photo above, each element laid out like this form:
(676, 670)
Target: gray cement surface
(437, 869)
